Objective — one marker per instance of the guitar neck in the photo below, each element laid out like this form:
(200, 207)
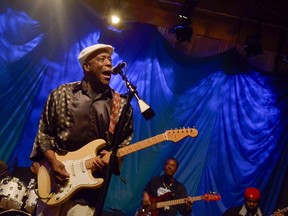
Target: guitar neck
(141, 145)
(176, 202)
(172, 135)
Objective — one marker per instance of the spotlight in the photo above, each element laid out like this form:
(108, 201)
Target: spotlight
(253, 45)
(182, 32)
(114, 21)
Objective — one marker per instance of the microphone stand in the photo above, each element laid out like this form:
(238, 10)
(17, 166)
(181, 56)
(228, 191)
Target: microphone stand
(113, 162)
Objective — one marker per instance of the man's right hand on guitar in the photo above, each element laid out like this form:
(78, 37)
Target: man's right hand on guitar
(145, 199)
(61, 174)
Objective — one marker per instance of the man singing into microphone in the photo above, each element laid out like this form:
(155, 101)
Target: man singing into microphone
(76, 114)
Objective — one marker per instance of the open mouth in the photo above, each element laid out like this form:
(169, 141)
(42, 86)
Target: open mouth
(106, 74)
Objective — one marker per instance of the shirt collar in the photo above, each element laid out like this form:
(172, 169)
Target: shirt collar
(243, 211)
(83, 86)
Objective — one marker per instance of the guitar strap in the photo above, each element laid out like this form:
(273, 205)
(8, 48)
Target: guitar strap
(114, 118)
(115, 112)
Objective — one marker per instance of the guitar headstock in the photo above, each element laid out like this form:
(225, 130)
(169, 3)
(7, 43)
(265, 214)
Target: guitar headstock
(178, 134)
(211, 196)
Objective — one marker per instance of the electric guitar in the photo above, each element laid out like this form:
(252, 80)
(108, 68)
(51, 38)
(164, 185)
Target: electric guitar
(79, 165)
(284, 210)
(157, 202)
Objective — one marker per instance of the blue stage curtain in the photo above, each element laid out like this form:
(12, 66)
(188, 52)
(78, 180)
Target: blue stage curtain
(240, 113)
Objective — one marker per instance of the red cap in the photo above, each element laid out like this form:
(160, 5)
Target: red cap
(252, 193)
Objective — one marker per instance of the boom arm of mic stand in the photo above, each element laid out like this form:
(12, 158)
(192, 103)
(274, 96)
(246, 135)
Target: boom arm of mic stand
(145, 109)
(131, 87)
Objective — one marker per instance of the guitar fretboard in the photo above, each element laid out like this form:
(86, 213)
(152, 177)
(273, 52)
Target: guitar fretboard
(177, 201)
(141, 145)
(133, 148)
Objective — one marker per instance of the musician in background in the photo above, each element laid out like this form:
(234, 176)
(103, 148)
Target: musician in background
(76, 114)
(250, 206)
(166, 187)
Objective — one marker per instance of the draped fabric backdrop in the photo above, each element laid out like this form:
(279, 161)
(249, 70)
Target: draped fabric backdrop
(241, 114)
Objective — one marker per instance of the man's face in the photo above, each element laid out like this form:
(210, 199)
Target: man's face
(251, 205)
(100, 65)
(170, 167)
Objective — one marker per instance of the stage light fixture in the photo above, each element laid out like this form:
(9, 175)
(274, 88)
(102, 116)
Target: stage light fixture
(187, 8)
(183, 32)
(253, 45)
(284, 57)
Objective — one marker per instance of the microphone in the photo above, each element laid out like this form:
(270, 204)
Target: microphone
(118, 68)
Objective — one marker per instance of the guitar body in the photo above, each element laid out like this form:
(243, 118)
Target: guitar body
(152, 210)
(155, 200)
(80, 175)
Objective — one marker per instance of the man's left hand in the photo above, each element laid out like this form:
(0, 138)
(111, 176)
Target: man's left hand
(102, 160)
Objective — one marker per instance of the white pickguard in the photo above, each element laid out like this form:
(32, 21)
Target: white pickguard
(79, 177)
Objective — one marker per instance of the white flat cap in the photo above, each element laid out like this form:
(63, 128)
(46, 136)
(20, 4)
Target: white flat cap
(89, 50)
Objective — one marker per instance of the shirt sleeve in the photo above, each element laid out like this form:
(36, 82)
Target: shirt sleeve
(151, 186)
(45, 139)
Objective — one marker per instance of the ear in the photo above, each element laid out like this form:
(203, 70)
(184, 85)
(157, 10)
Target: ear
(86, 67)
